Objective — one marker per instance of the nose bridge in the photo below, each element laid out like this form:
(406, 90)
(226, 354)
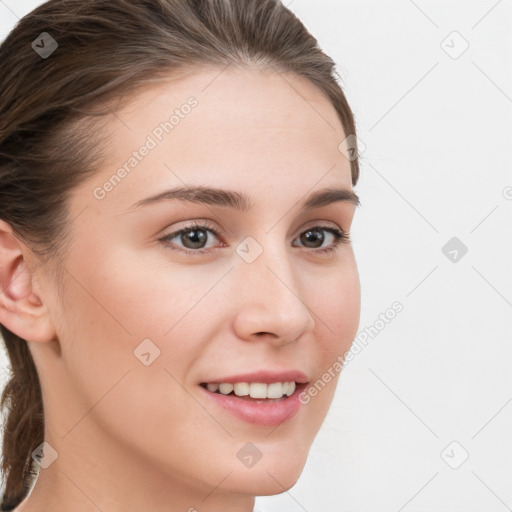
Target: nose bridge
(270, 300)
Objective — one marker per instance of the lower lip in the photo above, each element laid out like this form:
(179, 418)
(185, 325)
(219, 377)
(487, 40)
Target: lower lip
(259, 412)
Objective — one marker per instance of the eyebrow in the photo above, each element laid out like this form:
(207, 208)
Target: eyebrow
(240, 201)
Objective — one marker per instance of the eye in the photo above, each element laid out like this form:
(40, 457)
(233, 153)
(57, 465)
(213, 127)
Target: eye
(314, 235)
(194, 237)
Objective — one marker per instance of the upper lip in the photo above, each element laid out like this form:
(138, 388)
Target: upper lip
(263, 376)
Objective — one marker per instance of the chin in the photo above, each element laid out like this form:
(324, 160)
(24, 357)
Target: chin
(267, 479)
(257, 484)
(286, 482)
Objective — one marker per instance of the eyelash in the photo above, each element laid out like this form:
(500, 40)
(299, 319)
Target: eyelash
(340, 237)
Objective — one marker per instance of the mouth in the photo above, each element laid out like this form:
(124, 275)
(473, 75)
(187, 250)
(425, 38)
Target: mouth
(258, 403)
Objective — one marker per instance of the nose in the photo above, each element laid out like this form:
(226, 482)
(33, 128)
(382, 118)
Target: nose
(270, 299)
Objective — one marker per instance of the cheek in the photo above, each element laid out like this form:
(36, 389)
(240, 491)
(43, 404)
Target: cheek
(337, 312)
(124, 311)
(336, 307)
(108, 314)
(136, 296)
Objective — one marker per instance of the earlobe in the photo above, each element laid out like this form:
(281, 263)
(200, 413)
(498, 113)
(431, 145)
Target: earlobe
(21, 309)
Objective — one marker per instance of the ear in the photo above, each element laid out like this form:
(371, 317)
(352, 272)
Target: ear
(22, 309)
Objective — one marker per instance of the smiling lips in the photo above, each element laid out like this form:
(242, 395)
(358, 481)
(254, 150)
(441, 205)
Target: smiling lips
(262, 398)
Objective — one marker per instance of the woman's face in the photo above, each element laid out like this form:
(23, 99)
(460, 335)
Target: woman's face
(144, 323)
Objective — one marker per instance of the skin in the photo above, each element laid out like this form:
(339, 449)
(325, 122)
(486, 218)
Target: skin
(131, 437)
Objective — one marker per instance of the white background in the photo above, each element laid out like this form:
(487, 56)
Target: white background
(437, 164)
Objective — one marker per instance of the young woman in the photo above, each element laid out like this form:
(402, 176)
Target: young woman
(178, 285)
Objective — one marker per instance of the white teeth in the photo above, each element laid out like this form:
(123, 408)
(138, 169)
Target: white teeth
(255, 389)
(291, 388)
(225, 388)
(258, 390)
(275, 390)
(241, 389)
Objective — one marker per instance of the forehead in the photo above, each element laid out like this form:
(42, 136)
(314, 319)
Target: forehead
(234, 93)
(232, 128)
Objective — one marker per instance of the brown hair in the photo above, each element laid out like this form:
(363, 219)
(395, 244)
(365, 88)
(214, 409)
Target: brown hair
(108, 48)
